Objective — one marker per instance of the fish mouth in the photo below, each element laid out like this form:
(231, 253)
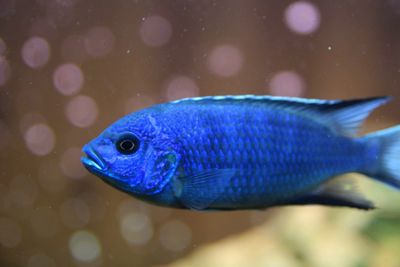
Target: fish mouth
(92, 160)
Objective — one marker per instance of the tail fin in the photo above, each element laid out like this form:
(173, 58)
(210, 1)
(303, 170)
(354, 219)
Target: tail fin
(387, 169)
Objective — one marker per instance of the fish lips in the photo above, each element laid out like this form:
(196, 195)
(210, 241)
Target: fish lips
(93, 161)
(96, 165)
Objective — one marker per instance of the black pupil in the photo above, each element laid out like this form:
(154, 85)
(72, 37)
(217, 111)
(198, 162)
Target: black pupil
(128, 144)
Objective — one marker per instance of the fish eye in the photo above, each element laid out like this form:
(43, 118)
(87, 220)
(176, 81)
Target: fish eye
(127, 144)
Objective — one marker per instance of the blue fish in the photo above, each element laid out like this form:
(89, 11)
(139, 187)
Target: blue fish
(245, 152)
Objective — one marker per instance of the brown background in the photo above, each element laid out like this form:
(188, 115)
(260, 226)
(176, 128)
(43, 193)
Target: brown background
(354, 52)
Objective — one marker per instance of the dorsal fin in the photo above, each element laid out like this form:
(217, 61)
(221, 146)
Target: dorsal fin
(347, 116)
(343, 116)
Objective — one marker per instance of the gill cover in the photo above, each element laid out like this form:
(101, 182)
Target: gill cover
(160, 166)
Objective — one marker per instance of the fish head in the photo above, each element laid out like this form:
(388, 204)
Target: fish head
(135, 155)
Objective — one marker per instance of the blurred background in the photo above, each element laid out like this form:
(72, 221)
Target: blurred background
(68, 68)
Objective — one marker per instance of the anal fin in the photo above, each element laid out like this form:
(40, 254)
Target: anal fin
(338, 193)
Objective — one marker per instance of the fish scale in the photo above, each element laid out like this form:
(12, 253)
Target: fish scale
(272, 159)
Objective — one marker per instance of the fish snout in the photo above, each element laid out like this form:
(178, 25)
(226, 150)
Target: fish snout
(92, 160)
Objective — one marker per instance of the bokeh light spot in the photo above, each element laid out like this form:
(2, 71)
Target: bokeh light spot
(70, 163)
(128, 206)
(99, 41)
(5, 71)
(40, 139)
(84, 246)
(10, 233)
(287, 83)
(225, 60)
(181, 87)
(302, 17)
(68, 79)
(155, 31)
(175, 235)
(36, 52)
(75, 213)
(82, 111)
(136, 228)
(41, 260)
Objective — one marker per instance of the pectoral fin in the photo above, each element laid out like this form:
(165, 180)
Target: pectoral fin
(200, 190)
(336, 193)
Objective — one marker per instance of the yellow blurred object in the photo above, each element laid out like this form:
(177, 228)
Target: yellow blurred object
(299, 236)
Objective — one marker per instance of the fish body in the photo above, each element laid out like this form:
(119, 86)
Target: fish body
(245, 152)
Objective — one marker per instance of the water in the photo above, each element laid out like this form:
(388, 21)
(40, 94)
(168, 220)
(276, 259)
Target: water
(68, 68)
